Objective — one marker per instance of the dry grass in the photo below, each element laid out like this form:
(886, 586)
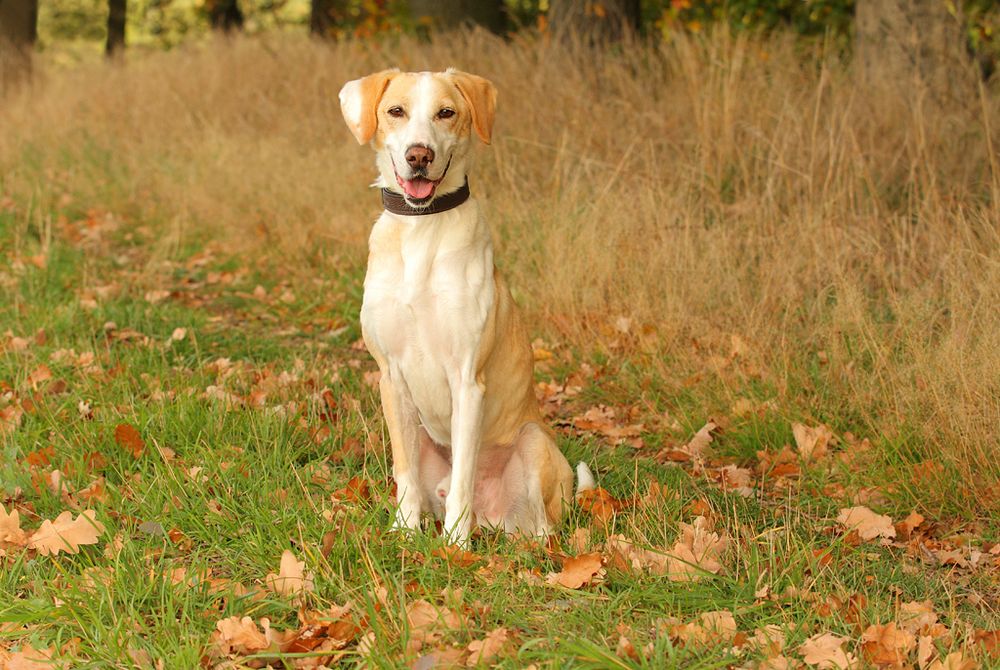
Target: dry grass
(706, 187)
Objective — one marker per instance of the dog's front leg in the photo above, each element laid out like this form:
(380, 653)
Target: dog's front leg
(403, 424)
(466, 426)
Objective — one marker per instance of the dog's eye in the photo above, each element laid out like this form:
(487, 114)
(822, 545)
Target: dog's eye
(396, 112)
(446, 113)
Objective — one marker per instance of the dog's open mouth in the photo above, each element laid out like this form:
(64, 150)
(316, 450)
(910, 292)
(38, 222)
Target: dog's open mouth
(418, 189)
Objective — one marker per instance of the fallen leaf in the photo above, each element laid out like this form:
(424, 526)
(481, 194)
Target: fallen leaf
(769, 640)
(66, 533)
(10, 527)
(579, 540)
(140, 658)
(697, 551)
(625, 648)
(701, 439)
(10, 418)
(811, 442)
(358, 489)
(57, 483)
(907, 525)
(914, 617)
(954, 661)
(291, 578)
(887, 645)
(96, 490)
(449, 657)
(600, 504)
(38, 375)
(29, 658)
(867, 523)
(736, 479)
(579, 571)
(456, 556)
(239, 635)
(424, 617)
(603, 420)
(711, 628)
(487, 649)
(156, 296)
(128, 438)
(826, 650)
(954, 557)
(925, 650)
(990, 639)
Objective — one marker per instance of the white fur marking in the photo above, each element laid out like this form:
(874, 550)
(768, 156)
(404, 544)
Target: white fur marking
(584, 478)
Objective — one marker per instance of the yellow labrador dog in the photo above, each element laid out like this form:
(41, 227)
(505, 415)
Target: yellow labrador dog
(468, 442)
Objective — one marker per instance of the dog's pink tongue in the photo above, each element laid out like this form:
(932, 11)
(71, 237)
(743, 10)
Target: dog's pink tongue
(418, 188)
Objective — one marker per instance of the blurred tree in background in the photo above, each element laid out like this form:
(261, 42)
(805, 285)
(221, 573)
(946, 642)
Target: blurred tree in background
(76, 26)
(609, 20)
(490, 14)
(325, 16)
(18, 32)
(117, 13)
(224, 15)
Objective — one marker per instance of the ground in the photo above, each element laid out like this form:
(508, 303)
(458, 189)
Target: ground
(227, 417)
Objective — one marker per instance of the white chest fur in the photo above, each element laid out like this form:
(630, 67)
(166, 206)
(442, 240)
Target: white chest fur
(428, 294)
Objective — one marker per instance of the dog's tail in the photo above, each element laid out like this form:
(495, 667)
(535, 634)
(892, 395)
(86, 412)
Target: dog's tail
(584, 479)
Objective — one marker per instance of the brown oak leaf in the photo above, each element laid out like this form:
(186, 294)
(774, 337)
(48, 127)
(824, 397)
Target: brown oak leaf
(812, 443)
(66, 533)
(578, 571)
(291, 579)
(887, 645)
(238, 635)
(10, 527)
(914, 617)
(825, 651)
(954, 661)
(867, 523)
(487, 649)
(128, 438)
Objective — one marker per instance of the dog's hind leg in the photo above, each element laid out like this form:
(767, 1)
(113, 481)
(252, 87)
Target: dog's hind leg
(547, 483)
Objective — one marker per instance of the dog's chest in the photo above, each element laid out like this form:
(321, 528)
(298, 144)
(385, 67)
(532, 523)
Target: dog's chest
(428, 293)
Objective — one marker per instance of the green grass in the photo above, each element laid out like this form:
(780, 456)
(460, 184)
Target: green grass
(258, 492)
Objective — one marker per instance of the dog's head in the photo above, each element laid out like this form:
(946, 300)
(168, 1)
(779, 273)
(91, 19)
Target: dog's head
(420, 125)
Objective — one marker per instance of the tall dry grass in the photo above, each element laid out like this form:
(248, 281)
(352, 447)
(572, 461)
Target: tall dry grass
(708, 186)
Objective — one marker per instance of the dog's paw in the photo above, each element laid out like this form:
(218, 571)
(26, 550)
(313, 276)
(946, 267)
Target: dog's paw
(406, 520)
(457, 530)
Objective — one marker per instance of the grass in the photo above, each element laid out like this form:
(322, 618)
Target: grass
(694, 229)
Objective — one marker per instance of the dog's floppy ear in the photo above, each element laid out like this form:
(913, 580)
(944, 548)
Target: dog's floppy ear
(359, 102)
(481, 96)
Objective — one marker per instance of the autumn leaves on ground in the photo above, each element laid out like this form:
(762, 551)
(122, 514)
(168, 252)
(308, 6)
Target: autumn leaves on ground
(767, 312)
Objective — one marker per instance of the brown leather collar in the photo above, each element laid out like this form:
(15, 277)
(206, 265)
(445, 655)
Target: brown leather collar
(396, 203)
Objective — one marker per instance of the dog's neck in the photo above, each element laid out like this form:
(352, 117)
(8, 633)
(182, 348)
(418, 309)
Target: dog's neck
(395, 203)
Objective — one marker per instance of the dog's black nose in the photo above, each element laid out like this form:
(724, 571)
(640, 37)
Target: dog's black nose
(419, 157)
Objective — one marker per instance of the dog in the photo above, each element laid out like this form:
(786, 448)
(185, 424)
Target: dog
(468, 441)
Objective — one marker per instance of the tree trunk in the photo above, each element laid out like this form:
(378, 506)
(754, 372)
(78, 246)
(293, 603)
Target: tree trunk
(913, 46)
(18, 31)
(598, 22)
(116, 27)
(489, 14)
(224, 15)
(324, 17)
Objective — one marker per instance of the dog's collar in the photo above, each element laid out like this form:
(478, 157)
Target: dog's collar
(396, 203)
